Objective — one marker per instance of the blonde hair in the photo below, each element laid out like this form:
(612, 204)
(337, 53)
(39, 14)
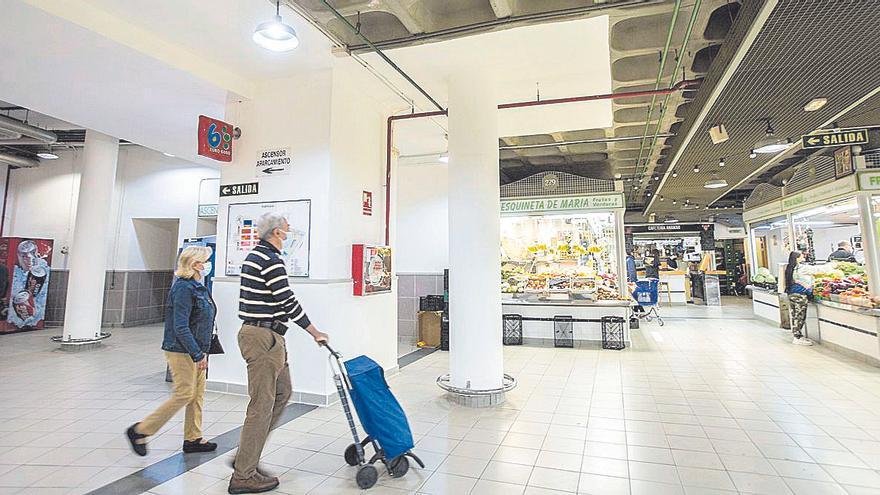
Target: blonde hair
(189, 257)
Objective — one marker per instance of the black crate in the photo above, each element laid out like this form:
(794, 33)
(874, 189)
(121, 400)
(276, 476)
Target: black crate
(431, 303)
(612, 332)
(444, 332)
(633, 322)
(563, 331)
(512, 329)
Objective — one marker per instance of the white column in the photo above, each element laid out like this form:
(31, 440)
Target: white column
(88, 251)
(475, 349)
(620, 245)
(869, 241)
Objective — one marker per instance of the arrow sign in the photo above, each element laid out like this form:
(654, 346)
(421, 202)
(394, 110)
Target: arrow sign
(835, 138)
(276, 161)
(244, 189)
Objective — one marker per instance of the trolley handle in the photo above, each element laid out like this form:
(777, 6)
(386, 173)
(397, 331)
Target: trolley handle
(330, 349)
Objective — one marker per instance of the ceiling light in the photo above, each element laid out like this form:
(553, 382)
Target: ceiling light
(648, 193)
(674, 174)
(721, 163)
(661, 198)
(815, 104)
(47, 155)
(617, 176)
(706, 208)
(168, 154)
(656, 177)
(752, 154)
(443, 158)
(674, 202)
(275, 35)
(696, 169)
(770, 143)
(670, 220)
(714, 182)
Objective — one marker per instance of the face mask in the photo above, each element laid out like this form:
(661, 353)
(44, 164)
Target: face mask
(287, 243)
(206, 270)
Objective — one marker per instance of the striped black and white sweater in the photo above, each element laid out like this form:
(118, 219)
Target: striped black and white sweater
(265, 293)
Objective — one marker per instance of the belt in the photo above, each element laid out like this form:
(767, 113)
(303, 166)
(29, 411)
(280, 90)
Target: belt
(274, 326)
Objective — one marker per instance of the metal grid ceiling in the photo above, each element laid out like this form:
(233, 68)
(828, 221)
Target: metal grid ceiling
(807, 48)
(762, 194)
(555, 184)
(813, 171)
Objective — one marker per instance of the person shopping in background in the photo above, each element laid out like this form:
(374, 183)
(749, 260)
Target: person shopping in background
(631, 276)
(266, 306)
(652, 264)
(189, 326)
(844, 252)
(798, 286)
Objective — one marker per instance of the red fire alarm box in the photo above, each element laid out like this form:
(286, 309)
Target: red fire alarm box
(370, 269)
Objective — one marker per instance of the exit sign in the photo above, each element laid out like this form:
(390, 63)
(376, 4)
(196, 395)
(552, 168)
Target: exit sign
(835, 138)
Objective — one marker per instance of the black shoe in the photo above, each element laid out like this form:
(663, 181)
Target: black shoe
(198, 445)
(133, 437)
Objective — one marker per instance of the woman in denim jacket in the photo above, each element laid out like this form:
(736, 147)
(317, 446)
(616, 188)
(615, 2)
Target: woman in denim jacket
(189, 326)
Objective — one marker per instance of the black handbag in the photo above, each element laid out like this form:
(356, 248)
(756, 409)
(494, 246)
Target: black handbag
(216, 347)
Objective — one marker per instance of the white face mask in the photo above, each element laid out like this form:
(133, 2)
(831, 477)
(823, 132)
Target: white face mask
(288, 241)
(206, 270)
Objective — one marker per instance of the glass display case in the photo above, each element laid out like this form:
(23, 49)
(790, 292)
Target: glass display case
(560, 257)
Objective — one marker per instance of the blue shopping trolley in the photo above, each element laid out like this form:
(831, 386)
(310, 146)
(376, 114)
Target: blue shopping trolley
(647, 296)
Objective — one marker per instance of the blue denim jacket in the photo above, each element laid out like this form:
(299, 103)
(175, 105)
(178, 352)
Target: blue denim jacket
(189, 319)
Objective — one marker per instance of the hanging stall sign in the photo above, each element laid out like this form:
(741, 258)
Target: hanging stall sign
(215, 139)
(273, 162)
(227, 190)
(869, 181)
(367, 203)
(567, 203)
(835, 138)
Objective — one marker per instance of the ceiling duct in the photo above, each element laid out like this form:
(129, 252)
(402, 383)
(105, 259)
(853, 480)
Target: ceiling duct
(11, 126)
(18, 161)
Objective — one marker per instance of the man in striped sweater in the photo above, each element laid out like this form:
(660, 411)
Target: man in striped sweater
(266, 306)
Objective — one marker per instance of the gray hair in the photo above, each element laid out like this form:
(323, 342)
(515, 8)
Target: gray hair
(268, 222)
(843, 244)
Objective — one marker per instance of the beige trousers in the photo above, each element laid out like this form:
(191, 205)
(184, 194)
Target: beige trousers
(269, 387)
(189, 392)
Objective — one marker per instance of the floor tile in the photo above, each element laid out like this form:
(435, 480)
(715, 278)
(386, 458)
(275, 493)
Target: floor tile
(554, 479)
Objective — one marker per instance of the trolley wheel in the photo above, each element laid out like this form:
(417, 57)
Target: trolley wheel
(351, 455)
(398, 466)
(367, 476)
(660, 322)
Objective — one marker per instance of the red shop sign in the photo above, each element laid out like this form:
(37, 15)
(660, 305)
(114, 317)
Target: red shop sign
(215, 139)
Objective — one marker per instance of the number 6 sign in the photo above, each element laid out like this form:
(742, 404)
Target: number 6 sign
(215, 139)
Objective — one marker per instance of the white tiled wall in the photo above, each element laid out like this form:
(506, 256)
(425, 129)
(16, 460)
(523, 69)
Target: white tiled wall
(411, 287)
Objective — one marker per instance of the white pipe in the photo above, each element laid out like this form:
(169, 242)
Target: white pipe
(18, 161)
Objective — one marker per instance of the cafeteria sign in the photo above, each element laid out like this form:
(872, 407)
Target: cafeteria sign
(568, 203)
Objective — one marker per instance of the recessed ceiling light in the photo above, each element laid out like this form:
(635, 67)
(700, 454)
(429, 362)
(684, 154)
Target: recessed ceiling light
(275, 35)
(443, 158)
(168, 154)
(47, 155)
(770, 143)
(815, 104)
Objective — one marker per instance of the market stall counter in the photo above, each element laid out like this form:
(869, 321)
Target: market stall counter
(850, 329)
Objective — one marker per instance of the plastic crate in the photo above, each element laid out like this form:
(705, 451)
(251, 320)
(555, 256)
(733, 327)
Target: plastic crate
(612, 332)
(563, 331)
(431, 303)
(512, 329)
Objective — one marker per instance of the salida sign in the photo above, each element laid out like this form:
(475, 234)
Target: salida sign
(215, 139)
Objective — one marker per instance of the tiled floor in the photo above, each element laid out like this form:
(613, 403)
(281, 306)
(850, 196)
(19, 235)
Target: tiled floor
(714, 402)
(62, 414)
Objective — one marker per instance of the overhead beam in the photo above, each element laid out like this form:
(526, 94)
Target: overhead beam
(123, 32)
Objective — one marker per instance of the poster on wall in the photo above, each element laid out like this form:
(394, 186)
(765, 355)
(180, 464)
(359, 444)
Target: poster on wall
(24, 282)
(242, 235)
(370, 269)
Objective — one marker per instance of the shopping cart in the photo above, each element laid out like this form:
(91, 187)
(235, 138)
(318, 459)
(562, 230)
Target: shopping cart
(381, 416)
(647, 296)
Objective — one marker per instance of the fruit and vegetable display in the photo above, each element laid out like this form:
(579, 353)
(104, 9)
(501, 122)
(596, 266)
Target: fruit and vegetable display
(763, 278)
(843, 282)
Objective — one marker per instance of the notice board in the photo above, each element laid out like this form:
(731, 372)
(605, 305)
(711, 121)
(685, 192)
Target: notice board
(242, 235)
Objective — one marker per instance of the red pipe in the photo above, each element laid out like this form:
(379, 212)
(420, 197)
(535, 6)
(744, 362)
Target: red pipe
(574, 99)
